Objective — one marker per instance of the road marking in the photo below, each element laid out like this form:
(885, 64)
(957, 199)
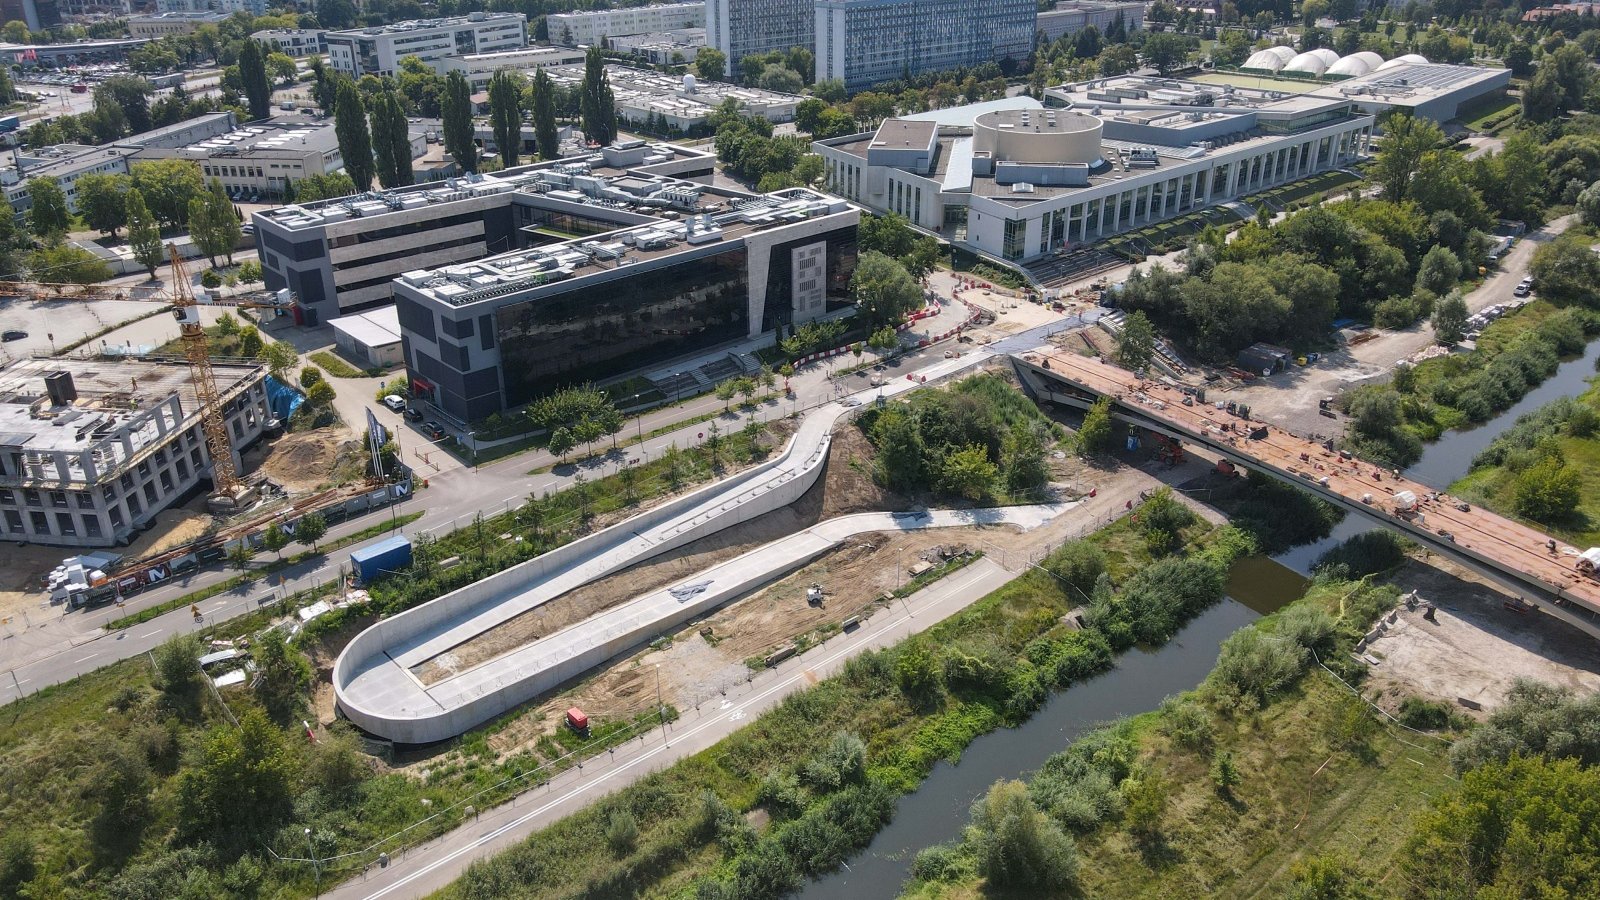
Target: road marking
(148, 634)
(580, 788)
(89, 657)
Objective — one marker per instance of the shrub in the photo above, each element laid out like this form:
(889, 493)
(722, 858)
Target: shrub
(942, 863)
(916, 671)
(1308, 626)
(1423, 715)
(1186, 722)
(1364, 554)
(1079, 564)
(842, 762)
(1224, 773)
(1254, 666)
(1536, 718)
(622, 831)
(1017, 846)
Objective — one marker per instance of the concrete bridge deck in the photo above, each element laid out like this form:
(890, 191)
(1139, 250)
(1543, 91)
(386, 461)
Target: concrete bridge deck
(1508, 551)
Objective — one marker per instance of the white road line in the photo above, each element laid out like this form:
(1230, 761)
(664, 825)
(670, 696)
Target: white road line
(89, 657)
(737, 712)
(148, 634)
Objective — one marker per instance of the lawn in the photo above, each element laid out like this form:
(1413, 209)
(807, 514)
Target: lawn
(1491, 116)
(336, 366)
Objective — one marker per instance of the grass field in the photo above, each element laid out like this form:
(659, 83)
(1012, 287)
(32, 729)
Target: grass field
(1493, 115)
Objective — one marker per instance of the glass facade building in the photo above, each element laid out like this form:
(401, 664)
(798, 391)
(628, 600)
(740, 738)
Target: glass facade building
(865, 42)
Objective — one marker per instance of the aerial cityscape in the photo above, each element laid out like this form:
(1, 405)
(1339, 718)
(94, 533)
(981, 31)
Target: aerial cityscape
(750, 449)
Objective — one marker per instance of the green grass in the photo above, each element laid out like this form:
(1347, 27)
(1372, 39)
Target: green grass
(336, 366)
(1489, 117)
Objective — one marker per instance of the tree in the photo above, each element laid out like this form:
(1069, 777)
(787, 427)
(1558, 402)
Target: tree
(68, 264)
(241, 787)
(1136, 343)
(253, 72)
(1450, 319)
(224, 226)
(275, 538)
(1518, 57)
(102, 201)
(131, 98)
(1406, 139)
(280, 357)
(545, 135)
(1019, 848)
(1166, 51)
(48, 218)
(311, 529)
(884, 291)
(968, 473)
(355, 141)
(459, 141)
(1589, 204)
(598, 104)
(322, 187)
(391, 139)
(168, 185)
(1567, 271)
(282, 675)
(177, 673)
(1224, 773)
(1439, 270)
(251, 345)
(240, 557)
(249, 272)
(1096, 435)
(561, 442)
(144, 236)
(1022, 459)
(281, 67)
(505, 115)
(1548, 491)
(711, 64)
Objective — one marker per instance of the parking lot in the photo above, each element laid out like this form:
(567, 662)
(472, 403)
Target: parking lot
(67, 320)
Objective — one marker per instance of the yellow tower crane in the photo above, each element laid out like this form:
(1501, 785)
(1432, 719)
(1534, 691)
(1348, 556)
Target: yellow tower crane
(224, 475)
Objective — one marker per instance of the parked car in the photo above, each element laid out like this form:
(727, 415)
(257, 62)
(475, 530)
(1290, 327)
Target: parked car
(1522, 290)
(13, 335)
(434, 431)
(414, 414)
(395, 402)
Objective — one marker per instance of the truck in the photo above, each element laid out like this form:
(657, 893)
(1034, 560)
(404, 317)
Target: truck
(386, 556)
(9, 124)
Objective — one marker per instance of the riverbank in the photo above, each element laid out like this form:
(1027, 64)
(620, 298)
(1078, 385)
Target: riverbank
(1269, 776)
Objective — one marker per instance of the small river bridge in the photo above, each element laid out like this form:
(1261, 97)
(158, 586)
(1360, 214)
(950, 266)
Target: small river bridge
(1541, 571)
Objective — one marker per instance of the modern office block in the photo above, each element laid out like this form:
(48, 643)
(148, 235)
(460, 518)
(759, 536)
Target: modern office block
(378, 51)
(741, 27)
(866, 42)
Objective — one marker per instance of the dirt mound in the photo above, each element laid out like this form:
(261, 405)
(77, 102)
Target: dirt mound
(304, 461)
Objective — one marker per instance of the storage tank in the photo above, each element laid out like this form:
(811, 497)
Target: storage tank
(1038, 135)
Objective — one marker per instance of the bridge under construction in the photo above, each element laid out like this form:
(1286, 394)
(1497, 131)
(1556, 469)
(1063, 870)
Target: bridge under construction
(1541, 570)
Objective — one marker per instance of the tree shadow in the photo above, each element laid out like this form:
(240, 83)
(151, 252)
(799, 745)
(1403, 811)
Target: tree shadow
(1156, 851)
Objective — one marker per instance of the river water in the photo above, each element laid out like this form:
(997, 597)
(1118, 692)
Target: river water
(936, 812)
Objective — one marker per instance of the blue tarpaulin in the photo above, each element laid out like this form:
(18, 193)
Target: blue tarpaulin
(282, 399)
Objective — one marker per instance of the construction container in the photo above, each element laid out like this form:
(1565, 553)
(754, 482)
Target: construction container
(386, 556)
(577, 720)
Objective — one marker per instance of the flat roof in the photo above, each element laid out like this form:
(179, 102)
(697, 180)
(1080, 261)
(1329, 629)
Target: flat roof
(1415, 82)
(964, 115)
(373, 328)
(477, 18)
(896, 134)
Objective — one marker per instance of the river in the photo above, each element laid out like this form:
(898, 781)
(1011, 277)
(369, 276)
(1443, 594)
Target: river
(936, 812)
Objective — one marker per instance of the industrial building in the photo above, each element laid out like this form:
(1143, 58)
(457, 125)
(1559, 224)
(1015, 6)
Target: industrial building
(92, 449)
(486, 336)
(339, 256)
(589, 29)
(378, 51)
(663, 48)
(480, 67)
(865, 42)
(296, 42)
(1073, 16)
(372, 338)
(740, 28)
(682, 101)
(1020, 184)
(160, 25)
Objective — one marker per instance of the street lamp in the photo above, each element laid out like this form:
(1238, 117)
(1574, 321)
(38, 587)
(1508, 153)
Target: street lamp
(316, 865)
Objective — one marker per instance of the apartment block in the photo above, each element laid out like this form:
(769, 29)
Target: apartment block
(740, 28)
(865, 42)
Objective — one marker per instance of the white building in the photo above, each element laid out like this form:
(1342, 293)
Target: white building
(253, 7)
(684, 102)
(480, 67)
(162, 24)
(586, 29)
(1073, 16)
(378, 51)
(372, 338)
(663, 47)
(867, 42)
(295, 42)
(1020, 184)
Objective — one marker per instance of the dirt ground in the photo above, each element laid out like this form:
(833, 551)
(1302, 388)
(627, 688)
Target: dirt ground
(1477, 648)
(847, 487)
(304, 461)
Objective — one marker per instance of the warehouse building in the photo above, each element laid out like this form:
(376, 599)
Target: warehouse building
(92, 449)
(339, 256)
(1020, 185)
(371, 338)
(682, 101)
(480, 67)
(486, 336)
(378, 51)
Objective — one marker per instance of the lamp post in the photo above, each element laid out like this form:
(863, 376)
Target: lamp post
(661, 710)
(316, 865)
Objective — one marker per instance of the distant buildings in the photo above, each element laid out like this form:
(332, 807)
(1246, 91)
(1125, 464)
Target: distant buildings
(378, 51)
(1073, 16)
(864, 42)
(163, 24)
(740, 28)
(588, 29)
(91, 450)
(663, 47)
(253, 7)
(480, 67)
(681, 102)
(295, 42)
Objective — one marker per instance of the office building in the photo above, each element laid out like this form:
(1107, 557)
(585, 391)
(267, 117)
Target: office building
(663, 48)
(480, 67)
(378, 51)
(1022, 184)
(340, 256)
(866, 42)
(588, 29)
(1073, 16)
(66, 163)
(253, 7)
(160, 25)
(295, 42)
(38, 15)
(487, 336)
(92, 449)
(682, 101)
(740, 28)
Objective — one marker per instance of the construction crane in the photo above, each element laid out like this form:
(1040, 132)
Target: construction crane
(224, 475)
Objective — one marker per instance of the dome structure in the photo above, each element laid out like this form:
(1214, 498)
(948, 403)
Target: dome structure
(1308, 63)
(1355, 65)
(1410, 59)
(1326, 55)
(1271, 59)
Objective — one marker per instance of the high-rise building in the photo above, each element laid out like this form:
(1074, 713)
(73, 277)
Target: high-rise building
(36, 14)
(864, 42)
(253, 7)
(741, 27)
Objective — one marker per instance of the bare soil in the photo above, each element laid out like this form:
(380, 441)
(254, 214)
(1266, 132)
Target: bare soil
(304, 461)
(1477, 648)
(846, 487)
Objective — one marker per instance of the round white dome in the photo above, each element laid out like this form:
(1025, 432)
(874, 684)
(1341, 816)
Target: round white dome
(1265, 59)
(1308, 63)
(1350, 67)
(1283, 53)
(1410, 59)
(1326, 55)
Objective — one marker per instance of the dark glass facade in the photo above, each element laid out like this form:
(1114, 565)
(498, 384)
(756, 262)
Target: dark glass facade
(591, 333)
(841, 264)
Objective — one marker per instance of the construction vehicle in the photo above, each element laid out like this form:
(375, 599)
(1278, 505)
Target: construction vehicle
(1589, 562)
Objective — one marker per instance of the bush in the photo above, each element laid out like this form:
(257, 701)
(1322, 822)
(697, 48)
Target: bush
(622, 831)
(1017, 846)
(1423, 715)
(1308, 626)
(1079, 564)
(942, 863)
(1535, 719)
(1255, 667)
(843, 762)
(1548, 491)
(1186, 722)
(1364, 554)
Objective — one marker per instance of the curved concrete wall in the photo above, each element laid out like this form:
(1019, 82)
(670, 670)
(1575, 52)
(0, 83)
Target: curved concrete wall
(1075, 138)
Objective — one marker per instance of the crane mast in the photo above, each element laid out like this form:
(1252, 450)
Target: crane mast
(224, 475)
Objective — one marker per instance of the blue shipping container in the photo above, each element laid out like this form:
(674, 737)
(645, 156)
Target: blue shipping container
(388, 555)
(9, 123)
